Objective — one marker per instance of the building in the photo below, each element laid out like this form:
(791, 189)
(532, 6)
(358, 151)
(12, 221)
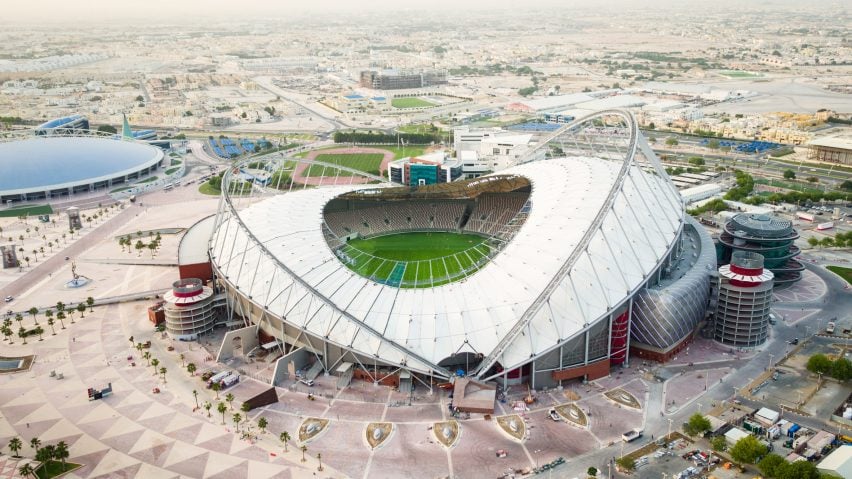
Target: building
(69, 125)
(485, 150)
(425, 170)
(61, 166)
(838, 463)
(572, 243)
(831, 150)
(745, 294)
(402, 79)
(767, 235)
(191, 309)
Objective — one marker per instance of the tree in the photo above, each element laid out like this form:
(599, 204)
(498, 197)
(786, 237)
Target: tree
(61, 452)
(107, 129)
(789, 174)
(90, 302)
(49, 315)
(81, 308)
(15, 445)
(812, 179)
(719, 443)
(262, 423)
(230, 398)
(140, 98)
(304, 449)
(155, 362)
(284, 437)
(26, 470)
(697, 424)
(147, 356)
(797, 470)
(22, 333)
(245, 407)
(35, 443)
(222, 410)
(208, 406)
(819, 364)
(814, 242)
(841, 369)
(846, 185)
(748, 450)
(771, 464)
(626, 463)
(163, 372)
(237, 418)
(182, 360)
(216, 387)
(319, 459)
(34, 312)
(672, 141)
(191, 368)
(696, 161)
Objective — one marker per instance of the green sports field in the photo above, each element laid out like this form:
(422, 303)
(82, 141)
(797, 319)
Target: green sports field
(367, 162)
(416, 260)
(26, 211)
(410, 103)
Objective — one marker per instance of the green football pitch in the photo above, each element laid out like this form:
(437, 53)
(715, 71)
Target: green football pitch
(416, 260)
(367, 162)
(410, 102)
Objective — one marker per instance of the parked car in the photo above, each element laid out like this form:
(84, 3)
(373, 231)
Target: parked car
(9, 299)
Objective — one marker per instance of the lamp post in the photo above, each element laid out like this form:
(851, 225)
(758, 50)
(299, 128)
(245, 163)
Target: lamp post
(669, 435)
(770, 361)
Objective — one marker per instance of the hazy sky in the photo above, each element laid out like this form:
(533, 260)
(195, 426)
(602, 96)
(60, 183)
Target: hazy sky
(168, 11)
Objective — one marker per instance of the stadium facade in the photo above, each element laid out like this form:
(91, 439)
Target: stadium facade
(585, 253)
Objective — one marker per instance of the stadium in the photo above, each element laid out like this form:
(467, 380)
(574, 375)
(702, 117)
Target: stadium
(538, 273)
(43, 167)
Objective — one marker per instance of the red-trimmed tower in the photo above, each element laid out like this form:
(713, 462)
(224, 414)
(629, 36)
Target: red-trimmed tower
(745, 294)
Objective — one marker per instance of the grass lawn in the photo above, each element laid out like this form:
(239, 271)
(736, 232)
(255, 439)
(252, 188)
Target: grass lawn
(790, 185)
(398, 152)
(54, 468)
(146, 180)
(207, 189)
(26, 211)
(171, 170)
(410, 103)
(416, 259)
(367, 162)
(739, 74)
(845, 273)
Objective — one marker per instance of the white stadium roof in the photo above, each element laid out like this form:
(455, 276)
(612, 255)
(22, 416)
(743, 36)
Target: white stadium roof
(422, 326)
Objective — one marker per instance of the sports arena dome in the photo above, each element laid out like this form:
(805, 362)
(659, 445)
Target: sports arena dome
(567, 242)
(41, 167)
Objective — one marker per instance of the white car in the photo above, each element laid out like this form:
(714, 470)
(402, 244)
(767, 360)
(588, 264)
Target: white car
(9, 299)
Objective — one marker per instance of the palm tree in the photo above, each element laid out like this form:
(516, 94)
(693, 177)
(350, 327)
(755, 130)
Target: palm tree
(182, 359)
(90, 302)
(26, 470)
(34, 312)
(61, 452)
(19, 318)
(284, 437)
(207, 406)
(304, 450)
(60, 306)
(191, 368)
(216, 387)
(22, 333)
(50, 323)
(319, 458)
(49, 315)
(262, 423)
(26, 259)
(222, 410)
(230, 398)
(195, 394)
(82, 309)
(38, 330)
(237, 418)
(15, 445)
(139, 347)
(7, 331)
(163, 372)
(61, 317)
(246, 407)
(35, 443)
(152, 247)
(71, 312)
(147, 356)
(155, 362)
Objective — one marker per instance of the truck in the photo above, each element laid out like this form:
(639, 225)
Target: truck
(825, 226)
(217, 378)
(631, 436)
(830, 328)
(805, 216)
(230, 381)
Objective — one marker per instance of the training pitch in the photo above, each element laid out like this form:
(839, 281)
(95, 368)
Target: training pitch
(410, 103)
(416, 260)
(367, 162)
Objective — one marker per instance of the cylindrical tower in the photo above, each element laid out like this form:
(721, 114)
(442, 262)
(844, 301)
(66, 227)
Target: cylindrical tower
(189, 309)
(745, 293)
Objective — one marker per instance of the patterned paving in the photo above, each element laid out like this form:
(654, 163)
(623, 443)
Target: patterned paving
(132, 433)
(809, 288)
